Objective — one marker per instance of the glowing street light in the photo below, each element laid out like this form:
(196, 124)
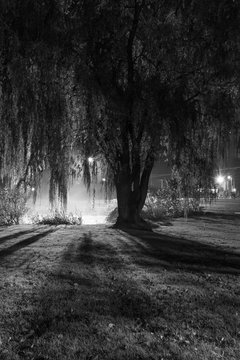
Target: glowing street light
(90, 160)
(220, 179)
(103, 180)
(33, 189)
(229, 177)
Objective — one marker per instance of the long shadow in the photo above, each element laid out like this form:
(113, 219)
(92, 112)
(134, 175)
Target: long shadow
(91, 252)
(154, 249)
(10, 250)
(15, 235)
(85, 251)
(83, 301)
(209, 216)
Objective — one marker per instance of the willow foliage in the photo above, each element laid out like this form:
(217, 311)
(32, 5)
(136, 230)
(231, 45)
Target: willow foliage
(122, 81)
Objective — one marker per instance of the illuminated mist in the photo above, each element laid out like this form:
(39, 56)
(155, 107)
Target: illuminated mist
(93, 207)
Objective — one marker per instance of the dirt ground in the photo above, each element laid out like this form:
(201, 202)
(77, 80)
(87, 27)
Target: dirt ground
(196, 258)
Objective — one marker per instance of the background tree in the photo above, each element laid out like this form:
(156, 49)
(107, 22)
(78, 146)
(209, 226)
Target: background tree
(125, 82)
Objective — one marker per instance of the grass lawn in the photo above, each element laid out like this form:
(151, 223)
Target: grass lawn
(91, 292)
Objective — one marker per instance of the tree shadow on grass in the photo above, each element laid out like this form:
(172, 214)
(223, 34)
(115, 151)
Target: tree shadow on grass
(154, 249)
(91, 252)
(85, 300)
(84, 286)
(15, 235)
(216, 217)
(21, 244)
(90, 296)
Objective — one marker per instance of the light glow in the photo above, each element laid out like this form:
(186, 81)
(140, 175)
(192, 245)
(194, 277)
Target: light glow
(90, 160)
(220, 179)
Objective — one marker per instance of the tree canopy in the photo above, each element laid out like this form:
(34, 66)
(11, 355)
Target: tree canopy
(124, 81)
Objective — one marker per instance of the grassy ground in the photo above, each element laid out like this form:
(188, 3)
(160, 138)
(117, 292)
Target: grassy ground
(90, 292)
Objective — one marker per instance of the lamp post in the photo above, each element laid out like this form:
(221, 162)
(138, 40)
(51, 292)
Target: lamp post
(230, 183)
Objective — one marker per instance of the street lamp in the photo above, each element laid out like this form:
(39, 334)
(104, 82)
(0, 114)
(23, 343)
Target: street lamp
(219, 179)
(90, 160)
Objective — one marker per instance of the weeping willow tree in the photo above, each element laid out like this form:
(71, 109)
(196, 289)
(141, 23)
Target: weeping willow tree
(123, 82)
(166, 79)
(37, 125)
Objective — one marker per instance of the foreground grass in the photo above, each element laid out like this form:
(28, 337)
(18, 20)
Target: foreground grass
(98, 293)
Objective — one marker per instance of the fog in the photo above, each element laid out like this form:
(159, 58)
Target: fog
(92, 205)
(93, 209)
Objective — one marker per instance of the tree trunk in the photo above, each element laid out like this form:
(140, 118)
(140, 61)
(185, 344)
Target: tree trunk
(128, 206)
(131, 196)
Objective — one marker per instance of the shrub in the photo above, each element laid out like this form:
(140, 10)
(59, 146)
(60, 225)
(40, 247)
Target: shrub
(12, 206)
(58, 217)
(163, 203)
(167, 202)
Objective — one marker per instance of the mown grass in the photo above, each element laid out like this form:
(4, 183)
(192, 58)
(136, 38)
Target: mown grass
(115, 295)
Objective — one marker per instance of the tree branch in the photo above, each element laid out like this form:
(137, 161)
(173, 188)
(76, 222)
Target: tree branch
(137, 11)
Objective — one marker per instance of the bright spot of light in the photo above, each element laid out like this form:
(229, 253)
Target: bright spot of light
(103, 179)
(33, 188)
(219, 179)
(229, 177)
(90, 160)
(234, 190)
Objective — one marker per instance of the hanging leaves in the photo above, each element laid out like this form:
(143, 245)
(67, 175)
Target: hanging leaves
(121, 82)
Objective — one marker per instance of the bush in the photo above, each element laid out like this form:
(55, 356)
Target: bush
(58, 217)
(167, 202)
(163, 203)
(12, 206)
